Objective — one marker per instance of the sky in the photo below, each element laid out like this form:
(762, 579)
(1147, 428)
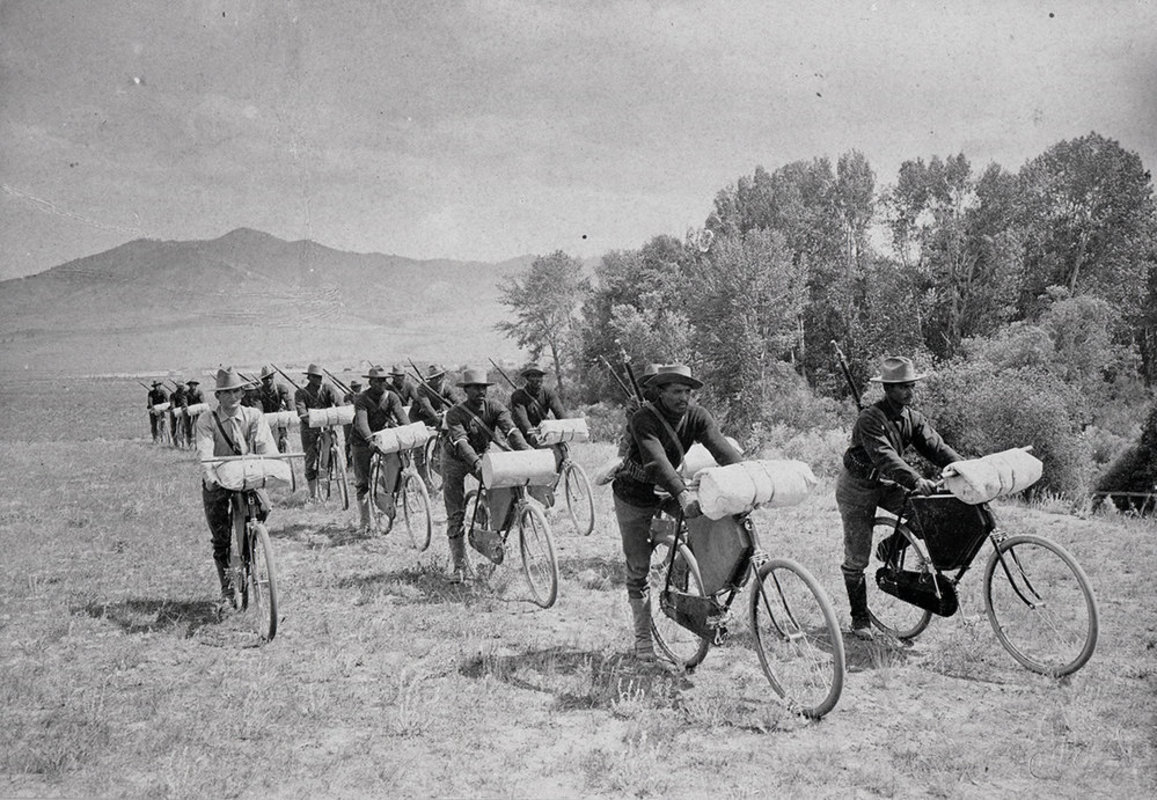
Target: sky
(491, 129)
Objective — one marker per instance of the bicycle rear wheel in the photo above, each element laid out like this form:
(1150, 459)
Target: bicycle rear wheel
(580, 502)
(416, 510)
(338, 474)
(679, 645)
(891, 614)
(797, 638)
(433, 467)
(538, 561)
(261, 582)
(1040, 605)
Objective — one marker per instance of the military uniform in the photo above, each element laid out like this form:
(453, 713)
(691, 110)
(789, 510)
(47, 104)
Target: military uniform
(528, 409)
(193, 396)
(157, 396)
(177, 400)
(307, 397)
(375, 409)
(269, 399)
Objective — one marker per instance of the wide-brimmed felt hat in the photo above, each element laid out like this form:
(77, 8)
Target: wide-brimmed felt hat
(398, 369)
(267, 372)
(648, 373)
(314, 369)
(897, 369)
(158, 383)
(355, 383)
(474, 376)
(192, 381)
(435, 370)
(377, 371)
(532, 369)
(228, 379)
(674, 373)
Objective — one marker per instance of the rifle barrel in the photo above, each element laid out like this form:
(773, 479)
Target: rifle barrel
(291, 380)
(502, 372)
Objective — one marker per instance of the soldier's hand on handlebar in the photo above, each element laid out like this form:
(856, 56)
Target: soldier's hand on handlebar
(924, 486)
(689, 505)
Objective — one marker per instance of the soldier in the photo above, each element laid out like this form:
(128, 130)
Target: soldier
(270, 397)
(530, 405)
(314, 394)
(875, 474)
(470, 425)
(229, 430)
(157, 396)
(661, 431)
(405, 390)
(176, 424)
(349, 398)
(193, 396)
(429, 406)
(376, 408)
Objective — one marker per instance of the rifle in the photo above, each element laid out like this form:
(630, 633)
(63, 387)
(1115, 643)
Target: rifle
(630, 373)
(175, 384)
(503, 374)
(493, 436)
(848, 376)
(139, 383)
(615, 375)
(291, 380)
(255, 381)
(333, 378)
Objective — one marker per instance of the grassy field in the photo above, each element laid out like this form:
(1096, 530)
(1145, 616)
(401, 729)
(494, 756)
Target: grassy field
(117, 678)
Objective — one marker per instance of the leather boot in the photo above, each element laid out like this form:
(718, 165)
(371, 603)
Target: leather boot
(641, 617)
(364, 514)
(858, 600)
(313, 489)
(460, 562)
(226, 581)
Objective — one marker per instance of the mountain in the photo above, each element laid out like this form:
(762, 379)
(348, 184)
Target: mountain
(248, 298)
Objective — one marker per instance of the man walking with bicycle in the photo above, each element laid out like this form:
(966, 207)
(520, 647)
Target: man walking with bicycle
(271, 397)
(471, 427)
(660, 433)
(531, 404)
(375, 409)
(157, 396)
(875, 475)
(230, 430)
(315, 394)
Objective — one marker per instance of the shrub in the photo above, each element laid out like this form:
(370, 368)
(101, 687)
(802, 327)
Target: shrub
(604, 420)
(1134, 470)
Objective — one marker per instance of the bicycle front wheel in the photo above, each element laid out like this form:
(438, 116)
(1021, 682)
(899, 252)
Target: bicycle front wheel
(434, 463)
(538, 561)
(891, 614)
(680, 646)
(580, 501)
(416, 511)
(337, 468)
(262, 582)
(797, 637)
(1040, 605)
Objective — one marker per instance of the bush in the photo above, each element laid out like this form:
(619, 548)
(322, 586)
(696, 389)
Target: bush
(979, 410)
(822, 450)
(604, 420)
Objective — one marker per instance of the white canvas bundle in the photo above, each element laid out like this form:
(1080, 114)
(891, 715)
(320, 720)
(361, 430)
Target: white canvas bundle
(253, 473)
(739, 488)
(280, 419)
(161, 408)
(405, 437)
(334, 415)
(979, 480)
(553, 431)
(197, 408)
(697, 458)
(518, 468)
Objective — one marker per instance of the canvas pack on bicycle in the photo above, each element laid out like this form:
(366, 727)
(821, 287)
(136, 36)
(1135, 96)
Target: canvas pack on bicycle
(953, 533)
(721, 550)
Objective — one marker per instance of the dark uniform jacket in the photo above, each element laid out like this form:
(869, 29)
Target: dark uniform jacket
(468, 439)
(157, 396)
(653, 456)
(194, 396)
(382, 411)
(530, 409)
(306, 398)
(881, 435)
(179, 398)
(275, 398)
(428, 404)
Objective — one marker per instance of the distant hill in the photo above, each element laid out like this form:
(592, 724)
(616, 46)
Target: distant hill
(248, 298)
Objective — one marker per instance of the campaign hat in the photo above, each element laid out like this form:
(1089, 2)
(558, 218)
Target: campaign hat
(267, 372)
(158, 383)
(674, 373)
(648, 373)
(314, 369)
(192, 381)
(377, 371)
(435, 370)
(532, 369)
(897, 369)
(474, 376)
(355, 384)
(228, 379)
(397, 369)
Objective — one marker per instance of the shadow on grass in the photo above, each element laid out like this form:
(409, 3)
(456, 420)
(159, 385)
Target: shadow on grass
(880, 653)
(154, 616)
(319, 536)
(582, 680)
(598, 571)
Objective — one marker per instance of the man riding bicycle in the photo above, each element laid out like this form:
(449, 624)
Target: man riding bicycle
(376, 408)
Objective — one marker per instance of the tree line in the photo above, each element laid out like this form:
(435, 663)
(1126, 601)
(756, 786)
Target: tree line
(1046, 277)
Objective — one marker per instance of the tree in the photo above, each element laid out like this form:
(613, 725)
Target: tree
(545, 301)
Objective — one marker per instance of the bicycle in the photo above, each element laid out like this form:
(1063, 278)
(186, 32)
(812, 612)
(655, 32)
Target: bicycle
(432, 461)
(576, 488)
(331, 466)
(410, 489)
(513, 505)
(1044, 612)
(794, 628)
(160, 416)
(252, 569)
